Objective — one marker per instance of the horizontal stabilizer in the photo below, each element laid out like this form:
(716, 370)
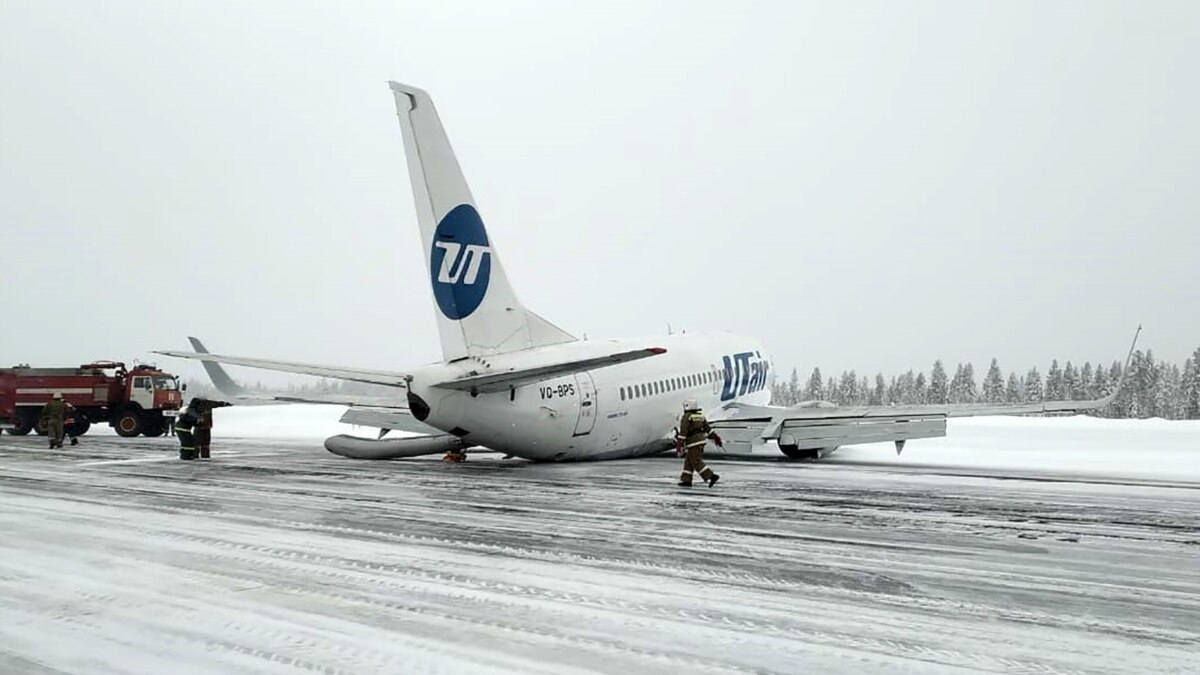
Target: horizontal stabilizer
(388, 378)
(492, 382)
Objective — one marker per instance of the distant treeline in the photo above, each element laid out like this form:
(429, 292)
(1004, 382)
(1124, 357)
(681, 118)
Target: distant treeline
(1152, 388)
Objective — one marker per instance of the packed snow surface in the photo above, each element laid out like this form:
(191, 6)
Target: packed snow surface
(1062, 545)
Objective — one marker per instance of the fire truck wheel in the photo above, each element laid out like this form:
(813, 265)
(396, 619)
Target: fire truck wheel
(129, 424)
(154, 428)
(20, 429)
(80, 427)
(40, 428)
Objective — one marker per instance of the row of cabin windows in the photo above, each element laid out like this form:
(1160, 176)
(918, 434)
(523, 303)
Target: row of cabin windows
(666, 386)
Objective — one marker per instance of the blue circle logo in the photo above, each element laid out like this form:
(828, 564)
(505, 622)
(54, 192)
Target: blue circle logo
(460, 263)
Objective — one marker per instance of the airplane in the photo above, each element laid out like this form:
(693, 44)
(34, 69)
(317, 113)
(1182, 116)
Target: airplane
(512, 381)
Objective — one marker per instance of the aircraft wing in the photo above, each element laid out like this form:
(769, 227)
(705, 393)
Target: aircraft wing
(384, 377)
(814, 425)
(500, 381)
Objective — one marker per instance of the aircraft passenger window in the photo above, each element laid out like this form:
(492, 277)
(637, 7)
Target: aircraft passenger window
(643, 388)
(622, 393)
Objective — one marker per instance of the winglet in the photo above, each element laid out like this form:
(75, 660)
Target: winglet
(220, 379)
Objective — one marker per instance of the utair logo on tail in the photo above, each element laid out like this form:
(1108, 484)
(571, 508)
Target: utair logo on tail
(742, 375)
(460, 264)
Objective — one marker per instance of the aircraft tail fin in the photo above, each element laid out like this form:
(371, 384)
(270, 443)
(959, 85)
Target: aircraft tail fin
(478, 312)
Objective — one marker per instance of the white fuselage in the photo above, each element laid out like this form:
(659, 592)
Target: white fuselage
(621, 410)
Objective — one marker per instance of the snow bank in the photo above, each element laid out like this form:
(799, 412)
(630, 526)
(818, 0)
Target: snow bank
(1153, 449)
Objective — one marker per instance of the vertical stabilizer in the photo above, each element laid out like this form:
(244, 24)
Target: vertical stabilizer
(478, 313)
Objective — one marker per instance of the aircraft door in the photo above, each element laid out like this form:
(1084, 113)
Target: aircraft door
(587, 403)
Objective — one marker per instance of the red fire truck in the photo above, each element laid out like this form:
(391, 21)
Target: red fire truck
(140, 400)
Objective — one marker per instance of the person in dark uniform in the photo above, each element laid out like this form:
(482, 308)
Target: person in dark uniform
(72, 423)
(192, 429)
(693, 433)
(54, 416)
(183, 430)
(204, 433)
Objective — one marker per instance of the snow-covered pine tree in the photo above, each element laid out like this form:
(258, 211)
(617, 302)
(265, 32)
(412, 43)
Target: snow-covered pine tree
(849, 387)
(1101, 387)
(1054, 383)
(970, 391)
(793, 388)
(779, 394)
(1070, 382)
(1122, 407)
(1191, 387)
(1086, 392)
(908, 385)
(815, 391)
(939, 390)
(1033, 386)
(993, 384)
(879, 391)
(920, 390)
(956, 385)
(1143, 377)
(1012, 390)
(832, 393)
(1168, 394)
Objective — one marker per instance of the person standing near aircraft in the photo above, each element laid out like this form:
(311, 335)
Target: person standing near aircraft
(194, 427)
(694, 432)
(184, 424)
(54, 415)
(204, 426)
(71, 424)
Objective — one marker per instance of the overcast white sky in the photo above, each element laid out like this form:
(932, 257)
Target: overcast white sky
(860, 185)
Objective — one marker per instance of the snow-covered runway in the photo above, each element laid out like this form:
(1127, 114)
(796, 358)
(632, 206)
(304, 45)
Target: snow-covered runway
(279, 557)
